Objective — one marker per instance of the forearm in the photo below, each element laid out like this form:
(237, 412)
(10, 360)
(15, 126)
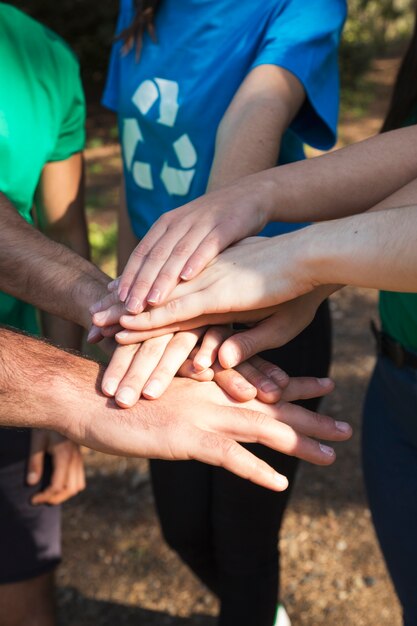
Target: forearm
(376, 250)
(342, 183)
(43, 272)
(249, 136)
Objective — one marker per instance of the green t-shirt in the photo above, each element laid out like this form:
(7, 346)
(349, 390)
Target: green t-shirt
(42, 119)
(398, 311)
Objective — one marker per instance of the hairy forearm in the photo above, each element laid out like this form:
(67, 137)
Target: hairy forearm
(342, 183)
(45, 273)
(376, 250)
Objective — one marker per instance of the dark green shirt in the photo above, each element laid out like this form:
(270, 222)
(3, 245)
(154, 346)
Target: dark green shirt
(42, 115)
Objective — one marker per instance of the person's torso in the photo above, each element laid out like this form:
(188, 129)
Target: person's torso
(171, 102)
(36, 70)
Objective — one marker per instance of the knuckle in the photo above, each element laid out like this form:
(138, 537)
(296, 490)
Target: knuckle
(142, 285)
(140, 252)
(157, 253)
(182, 248)
(166, 275)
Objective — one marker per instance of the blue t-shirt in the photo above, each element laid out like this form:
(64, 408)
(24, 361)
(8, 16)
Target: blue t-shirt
(171, 101)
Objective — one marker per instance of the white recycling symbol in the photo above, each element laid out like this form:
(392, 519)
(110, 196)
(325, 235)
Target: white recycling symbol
(177, 181)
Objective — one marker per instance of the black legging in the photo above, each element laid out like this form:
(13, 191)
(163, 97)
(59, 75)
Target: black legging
(225, 528)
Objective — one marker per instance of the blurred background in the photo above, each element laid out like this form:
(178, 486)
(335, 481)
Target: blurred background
(116, 568)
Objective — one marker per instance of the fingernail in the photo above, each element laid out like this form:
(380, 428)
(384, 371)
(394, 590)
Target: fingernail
(91, 333)
(326, 449)
(281, 481)
(344, 427)
(154, 296)
(99, 317)
(123, 293)
(32, 478)
(133, 305)
(123, 334)
(324, 382)
(94, 308)
(113, 284)
(186, 273)
(126, 396)
(152, 389)
(203, 363)
(110, 386)
(269, 386)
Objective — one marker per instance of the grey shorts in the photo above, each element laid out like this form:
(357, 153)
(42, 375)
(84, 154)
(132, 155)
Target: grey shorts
(30, 536)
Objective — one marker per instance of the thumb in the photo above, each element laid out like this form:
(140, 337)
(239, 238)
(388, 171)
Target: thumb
(243, 345)
(36, 458)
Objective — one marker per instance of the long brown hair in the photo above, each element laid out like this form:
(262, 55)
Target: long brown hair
(144, 20)
(404, 96)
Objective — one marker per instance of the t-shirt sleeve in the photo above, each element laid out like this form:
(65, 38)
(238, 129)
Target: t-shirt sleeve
(110, 98)
(303, 38)
(71, 135)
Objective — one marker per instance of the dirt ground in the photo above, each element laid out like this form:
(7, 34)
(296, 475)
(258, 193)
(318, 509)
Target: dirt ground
(116, 568)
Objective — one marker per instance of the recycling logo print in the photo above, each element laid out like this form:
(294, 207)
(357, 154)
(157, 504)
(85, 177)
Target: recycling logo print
(177, 180)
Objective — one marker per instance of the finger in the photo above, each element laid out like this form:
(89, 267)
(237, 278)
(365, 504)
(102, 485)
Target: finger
(57, 490)
(234, 384)
(267, 389)
(213, 243)
(74, 478)
(187, 371)
(176, 353)
(139, 255)
(217, 450)
(176, 310)
(110, 316)
(244, 345)
(118, 367)
(271, 370)
(105, 303)
(182, 251)
(141, 291)
(143, 365)
(111, 331)
(212, 340)
(313, 424)
(293, 439)
(36, 457)
(114, 285)
(305, 388)
(94, 334)
(196, 322)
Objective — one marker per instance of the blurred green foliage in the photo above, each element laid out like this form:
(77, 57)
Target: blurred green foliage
(103, 242)
(88, 26)
(371, 29)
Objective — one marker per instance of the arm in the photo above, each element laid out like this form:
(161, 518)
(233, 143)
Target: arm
(345, 182)
(247, 141)
(60, 214)
(60, 210)
(35, 377)
(374, 249)
(45, 273)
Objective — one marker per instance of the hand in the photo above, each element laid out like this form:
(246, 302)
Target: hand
(68, 476)
(253, 274)
(149, 368)
(182, 242)
(199, 421)
(269, 328)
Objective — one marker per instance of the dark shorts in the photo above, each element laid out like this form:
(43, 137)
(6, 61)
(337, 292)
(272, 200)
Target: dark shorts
(30, 536)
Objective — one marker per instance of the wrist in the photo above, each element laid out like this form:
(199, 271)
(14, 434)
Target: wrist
(86, 292)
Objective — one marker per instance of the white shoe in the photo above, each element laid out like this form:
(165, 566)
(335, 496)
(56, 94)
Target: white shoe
(282, 618)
